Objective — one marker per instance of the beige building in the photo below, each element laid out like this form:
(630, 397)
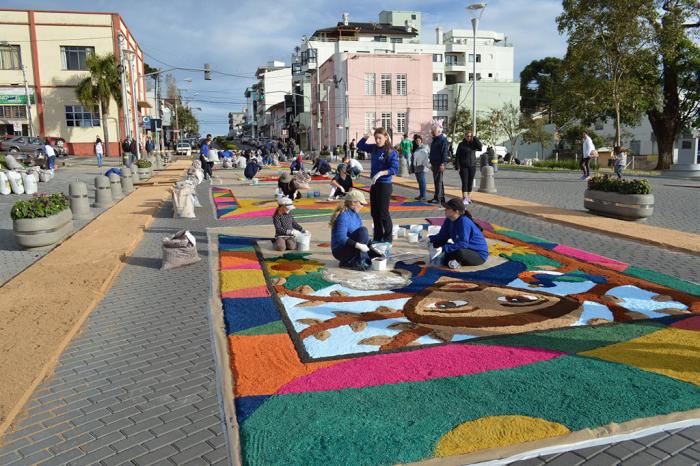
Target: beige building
(53, 46)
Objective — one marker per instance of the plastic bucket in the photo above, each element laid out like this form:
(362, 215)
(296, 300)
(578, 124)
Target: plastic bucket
(303, 242)
(379, 263)
(416, 228)
(255, 181)
(413, 237)
(401, 232)
(384, 248)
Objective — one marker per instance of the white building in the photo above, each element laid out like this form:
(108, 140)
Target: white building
(274, 82)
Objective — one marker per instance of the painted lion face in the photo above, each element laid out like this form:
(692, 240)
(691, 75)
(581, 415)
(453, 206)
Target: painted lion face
(482, 309)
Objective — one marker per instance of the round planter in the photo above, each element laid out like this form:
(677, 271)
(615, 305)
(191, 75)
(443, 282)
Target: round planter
(616, 205)
(42, 232)
(143, 173)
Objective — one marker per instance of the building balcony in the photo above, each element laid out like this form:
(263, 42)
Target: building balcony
(455, 66)
(456, 47)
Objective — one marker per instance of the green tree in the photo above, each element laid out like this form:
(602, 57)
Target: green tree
(536, 133)
(188, 122)
(540, 81)
(100, 88)
(510, 122)
(677, 82)
(608, 65)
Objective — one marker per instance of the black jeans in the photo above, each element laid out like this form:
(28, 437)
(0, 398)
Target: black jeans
(467, 176)
(464, 257)
(379, 199)
(350, 256)
(584, 166)
(437, 181)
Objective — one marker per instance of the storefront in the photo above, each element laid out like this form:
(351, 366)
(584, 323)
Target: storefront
(13, 112)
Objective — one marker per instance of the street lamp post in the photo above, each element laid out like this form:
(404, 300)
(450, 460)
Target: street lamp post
(475, 10)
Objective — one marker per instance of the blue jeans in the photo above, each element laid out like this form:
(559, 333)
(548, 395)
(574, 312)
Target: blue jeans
(99, 160)
(618, 170)
(351, 257)
(420, 178)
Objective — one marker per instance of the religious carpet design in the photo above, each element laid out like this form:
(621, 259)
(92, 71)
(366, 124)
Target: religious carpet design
(545, 339)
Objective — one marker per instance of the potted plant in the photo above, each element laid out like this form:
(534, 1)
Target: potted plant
(42, 220)
(623, 199)
(143, 169)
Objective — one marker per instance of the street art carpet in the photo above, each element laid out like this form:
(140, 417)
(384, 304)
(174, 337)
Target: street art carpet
(228, 207)
(542, 342)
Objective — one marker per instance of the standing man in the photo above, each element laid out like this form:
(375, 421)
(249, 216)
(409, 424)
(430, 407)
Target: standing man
(204, 157)
(133, 150)
(126, 148)
(406, 148)
(465, 163)
(352, 149)
(588, 150)
(149, 146)
(439, 157)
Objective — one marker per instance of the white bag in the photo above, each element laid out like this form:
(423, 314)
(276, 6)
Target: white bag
(227, 163)
(179, 250)
(5, 187)
(213, 155)
(16, 182)
(44, 176)
(183, 206)
(30, 182)
(12, 163)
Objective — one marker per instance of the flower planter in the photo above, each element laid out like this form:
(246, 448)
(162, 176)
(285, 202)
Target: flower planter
(42, 232)
(616, 205)
(143, 173)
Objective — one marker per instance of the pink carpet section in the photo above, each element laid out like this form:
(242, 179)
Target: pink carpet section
(591, 258)
(437, 221)
(257, 213)
(691, 323)
(416, 366)
(255, 292)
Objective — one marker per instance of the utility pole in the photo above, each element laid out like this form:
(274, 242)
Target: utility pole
(30, 123)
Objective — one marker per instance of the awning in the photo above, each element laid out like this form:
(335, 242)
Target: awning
(144, 104)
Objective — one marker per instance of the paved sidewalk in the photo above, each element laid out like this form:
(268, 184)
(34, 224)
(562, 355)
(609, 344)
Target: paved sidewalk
(137, 386)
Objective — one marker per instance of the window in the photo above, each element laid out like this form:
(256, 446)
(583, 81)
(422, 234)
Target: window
(385, 84)
(73, 58)
(439, 101)
(437, 76)
(445, 123)
(401, 122)
(437, 57)
(10, 58)
(370, 86)
(386, 121)
(451, 59)
(478, 58)
(471, 76)
(413, 16)
(397, 40)
(13, 111)
(380, 38)
(79, 116)
(370, 118)
(401, 87)
(490, 75)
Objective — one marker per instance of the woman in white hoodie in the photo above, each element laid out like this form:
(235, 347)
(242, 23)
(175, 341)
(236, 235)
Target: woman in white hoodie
(588, 150)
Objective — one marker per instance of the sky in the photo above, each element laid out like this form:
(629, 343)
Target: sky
(236, 36)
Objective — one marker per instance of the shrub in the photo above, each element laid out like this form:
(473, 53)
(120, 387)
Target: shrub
(143, 163)
(566, 163)
(39, 206)
(613, 185)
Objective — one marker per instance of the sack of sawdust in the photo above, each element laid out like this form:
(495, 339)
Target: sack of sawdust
(178, 250)
(183, 207)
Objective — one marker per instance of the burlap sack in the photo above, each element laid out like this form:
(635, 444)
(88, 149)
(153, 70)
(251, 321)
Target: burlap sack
(178, 250)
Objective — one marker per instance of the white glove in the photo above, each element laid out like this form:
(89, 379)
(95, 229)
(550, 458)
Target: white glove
(376, 177)
(362, 247)
(289, 232)
(342, 190)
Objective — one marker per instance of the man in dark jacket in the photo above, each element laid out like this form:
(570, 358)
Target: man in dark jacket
(439, 157)
(465, 163)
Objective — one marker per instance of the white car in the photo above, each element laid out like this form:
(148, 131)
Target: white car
(183, 148)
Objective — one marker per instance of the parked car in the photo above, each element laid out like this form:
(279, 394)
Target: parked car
(30, 150)
(59, 145)
(183, 148)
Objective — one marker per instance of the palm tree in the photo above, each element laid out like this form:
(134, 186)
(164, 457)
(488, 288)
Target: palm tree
(100, 87)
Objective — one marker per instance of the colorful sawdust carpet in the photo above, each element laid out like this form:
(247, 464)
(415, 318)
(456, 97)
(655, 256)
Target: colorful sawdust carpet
(327, 374)
(229, 207)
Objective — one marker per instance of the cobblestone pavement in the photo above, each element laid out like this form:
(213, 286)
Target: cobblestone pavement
(13, 259)
(137, 386)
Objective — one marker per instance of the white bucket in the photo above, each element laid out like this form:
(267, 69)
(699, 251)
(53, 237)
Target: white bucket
(379, 263)
(401, 232)
(413, 237)
(395, 231)
(303, 242)
(434, 229)
(416, 228)
(255, 181)
(384, 248)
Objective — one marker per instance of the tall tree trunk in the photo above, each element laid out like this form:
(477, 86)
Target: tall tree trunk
(105, 128)
(666, 122)
(618, 130)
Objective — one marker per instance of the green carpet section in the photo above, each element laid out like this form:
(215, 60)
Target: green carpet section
(299, 212)
(532, 261)
(665, 280)
(522, 236)
(403, 422)
(292, 256)
(576, 339)
(265, 329)
(314, 279)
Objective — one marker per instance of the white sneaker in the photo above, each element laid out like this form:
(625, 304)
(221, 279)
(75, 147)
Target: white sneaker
(453, 264)
(466, 201)
(331, 198)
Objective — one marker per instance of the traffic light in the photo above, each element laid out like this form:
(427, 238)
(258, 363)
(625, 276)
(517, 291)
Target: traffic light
(207, 72)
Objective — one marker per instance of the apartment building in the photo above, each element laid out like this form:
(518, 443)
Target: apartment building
(49, 49)
(274, 82)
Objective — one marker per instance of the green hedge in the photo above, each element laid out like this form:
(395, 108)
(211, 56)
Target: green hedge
(143, 163)
(613, 185)
(39, 206)
(568, 164)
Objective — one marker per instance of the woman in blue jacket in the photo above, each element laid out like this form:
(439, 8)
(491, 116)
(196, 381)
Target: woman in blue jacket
(349, 238)
(385, 164)
(468, 245)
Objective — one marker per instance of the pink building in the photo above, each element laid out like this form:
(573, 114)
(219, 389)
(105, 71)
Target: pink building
(362, 91)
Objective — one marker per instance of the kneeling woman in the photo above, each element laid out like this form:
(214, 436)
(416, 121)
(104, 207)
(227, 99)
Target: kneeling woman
(349, 238)
(285, 225)
(468, 245)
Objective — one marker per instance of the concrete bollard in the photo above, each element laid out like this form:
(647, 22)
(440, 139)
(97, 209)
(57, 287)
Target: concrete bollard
(79, 201)
(115, 185)
(127, 181)
(403, 166)
(155, 162)
(103, 192)
(487, 185)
